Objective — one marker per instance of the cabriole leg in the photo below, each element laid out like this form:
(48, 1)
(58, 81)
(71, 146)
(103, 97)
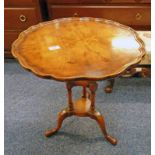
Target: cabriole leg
(109, 87)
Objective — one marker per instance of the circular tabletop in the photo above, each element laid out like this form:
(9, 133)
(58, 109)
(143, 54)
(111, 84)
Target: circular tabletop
(78, 48)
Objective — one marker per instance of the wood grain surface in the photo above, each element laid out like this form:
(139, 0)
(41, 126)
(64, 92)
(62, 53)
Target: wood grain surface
(78, 48)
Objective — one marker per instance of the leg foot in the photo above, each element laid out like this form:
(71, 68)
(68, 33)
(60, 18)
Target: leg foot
(109, 87)
(62, 115)
(100, 120)
(112, 140)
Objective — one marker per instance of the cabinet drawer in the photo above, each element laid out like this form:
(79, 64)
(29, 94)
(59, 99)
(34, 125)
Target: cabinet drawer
(128, 1)
(19, 19)
(14, 3)
(128, 15)
(96, 1)
(9, 37)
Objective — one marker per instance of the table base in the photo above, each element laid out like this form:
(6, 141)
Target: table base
(83, 107)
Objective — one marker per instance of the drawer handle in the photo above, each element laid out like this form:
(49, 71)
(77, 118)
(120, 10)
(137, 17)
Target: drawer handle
(75, 14)
(138, 16)
(22, 18)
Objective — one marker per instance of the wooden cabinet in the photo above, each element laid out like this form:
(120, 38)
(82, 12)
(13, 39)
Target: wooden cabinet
(134, 13)
(19, 19)
(138, 17)
(16, 3)
(98, 1)
(19, 15)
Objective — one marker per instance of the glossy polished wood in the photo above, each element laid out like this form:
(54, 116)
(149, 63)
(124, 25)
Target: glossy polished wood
(97, 1)
(78, 48)
(18, 16)
(9, 37)
(136, 16)
(83, 107)
(13, 16)
(79, 51)
(19, 3)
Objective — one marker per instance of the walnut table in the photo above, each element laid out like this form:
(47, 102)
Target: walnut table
(79, 52)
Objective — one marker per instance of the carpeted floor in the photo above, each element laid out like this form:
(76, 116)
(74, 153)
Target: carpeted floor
(32, 104)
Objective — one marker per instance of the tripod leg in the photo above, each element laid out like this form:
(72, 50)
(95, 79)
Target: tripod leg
(62, 115)
(100, 120)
